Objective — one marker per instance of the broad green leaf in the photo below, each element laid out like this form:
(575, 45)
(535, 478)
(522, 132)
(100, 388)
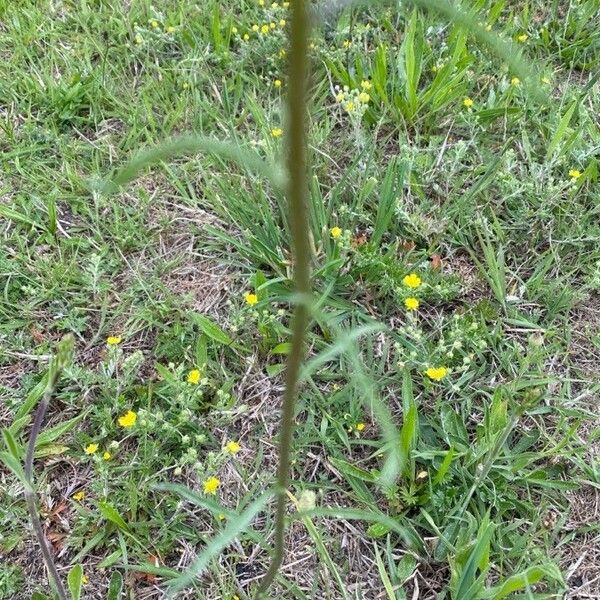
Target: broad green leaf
(561, 130)
(351, 470)
(115, 587)
(50, 435)
(211, 329)
(74, 581)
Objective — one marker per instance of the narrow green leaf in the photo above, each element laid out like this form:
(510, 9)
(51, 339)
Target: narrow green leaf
(110, 513)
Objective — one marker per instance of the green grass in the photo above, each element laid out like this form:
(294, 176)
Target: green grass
(467, 487)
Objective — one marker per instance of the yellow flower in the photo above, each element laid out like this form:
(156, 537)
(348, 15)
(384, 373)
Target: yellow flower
(128, 419)
(194, 377)
(91, 448)
(411, 303)
(154, 23)
(281, 22)
(85, 579)
(272, 25)
(488, 27)
(210, 485)
(522, 38)
(335, 232)
(364, 97)
(574, 174)
(107, 455)
(234, 30)
(255, 28)
(366, 85)
(412, 281)
(349, 106)
(277, 83)
(468, 102)
(546, 80)
(264, 29)
(275, 5)
(276, 132)
(360, 426)
(250, 299)
(286, 5)
(515, 81)
(171, 29)
(232, 447)
(113, 340)
(79, 496)
(347, 44)
(261, 2)
(436, 373)
(340, 96)
(246, 37)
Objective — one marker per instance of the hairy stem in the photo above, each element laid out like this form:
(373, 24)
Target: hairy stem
(297, 188)
(63, 356)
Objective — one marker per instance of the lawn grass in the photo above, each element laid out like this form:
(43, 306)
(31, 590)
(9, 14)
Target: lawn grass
(457, 168)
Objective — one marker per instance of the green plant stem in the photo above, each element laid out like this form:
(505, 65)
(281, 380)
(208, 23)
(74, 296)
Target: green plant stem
(56, 367)
(297, 189)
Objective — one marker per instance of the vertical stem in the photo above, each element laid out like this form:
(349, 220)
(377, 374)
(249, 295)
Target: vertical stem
(65, 349)
(297, 188)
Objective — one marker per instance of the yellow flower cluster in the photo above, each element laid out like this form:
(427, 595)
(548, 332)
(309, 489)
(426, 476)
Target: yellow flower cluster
(412, 281)
(436, 373)
(354, 101)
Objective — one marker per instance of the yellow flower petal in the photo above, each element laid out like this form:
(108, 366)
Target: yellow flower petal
(210, 485)
(194, 377)
(411, 303)
(91, 448)
(250, 299)
(232, 447)
(113, 340)
(128, 419)
(412, 281)
(436, 373)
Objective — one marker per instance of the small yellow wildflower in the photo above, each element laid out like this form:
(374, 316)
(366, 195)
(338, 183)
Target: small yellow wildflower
(275, 5)
(261, 2)
(546, 80)
(250, 298)
(522, 38)
(128, 419)
(412, 281)
(106, 455)
(346, 44)
(194, 377)
(468, 102)
(340, 96)
(79, 496)
(255, 28)
(312, 45)
(366, 85)
(246, 37)
(171, 29)
(349, 106)
(286, 5)
(85, 579)
(364, 97)
(232, 447)
(139, 39)
(264, 29)
(113, 340)
(411, 303)
(488, 27)
(574, 174)
(210, 485)
(335, 232)
(277, 83)
(154, 23)
(281, 22)
(234, 30)
(276, 132)
(515, 81)
(272, 25)
(360, 427)
(436, 373)
(91, 448)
